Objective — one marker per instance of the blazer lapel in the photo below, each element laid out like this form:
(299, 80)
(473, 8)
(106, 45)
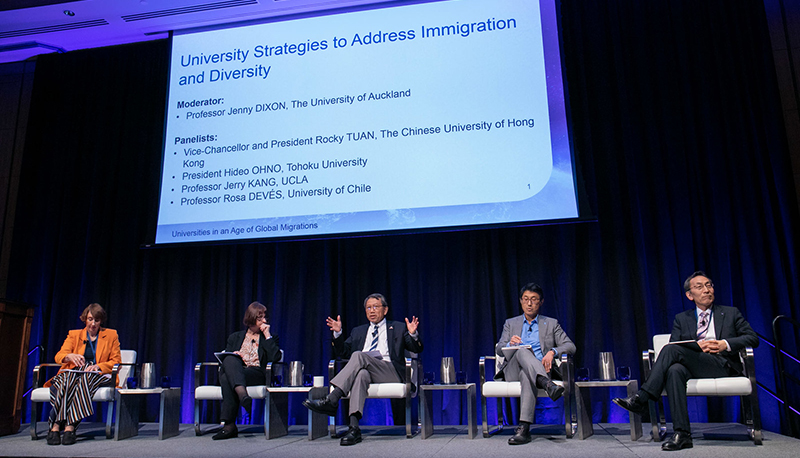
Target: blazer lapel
(543, 332)
(101, 346)
(719, 321)
(390, 339)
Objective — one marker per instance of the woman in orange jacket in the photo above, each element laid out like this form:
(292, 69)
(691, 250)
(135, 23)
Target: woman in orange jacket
(87, 357)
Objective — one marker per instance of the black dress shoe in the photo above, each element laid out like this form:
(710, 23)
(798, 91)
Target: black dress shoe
(247, 403)
(554, 391)
(635, 403)
(53, 438)
(521, 436)
(679, 441)
(324, 407)
(69, 438)
(226, 433)
(352, 437)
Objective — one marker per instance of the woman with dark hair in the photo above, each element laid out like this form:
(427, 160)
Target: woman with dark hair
(87, 357)
(254, 347)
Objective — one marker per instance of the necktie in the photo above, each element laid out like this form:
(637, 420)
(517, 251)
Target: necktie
(702, 326)
(374, 345)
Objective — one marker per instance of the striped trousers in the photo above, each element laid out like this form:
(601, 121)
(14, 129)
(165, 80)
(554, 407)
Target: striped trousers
(71, 396)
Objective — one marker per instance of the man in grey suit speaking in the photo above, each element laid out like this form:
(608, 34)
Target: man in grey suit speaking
(533, 367)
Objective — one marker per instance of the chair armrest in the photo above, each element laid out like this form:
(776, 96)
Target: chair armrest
(38, 373)
(334, 366)
(749, 362)
(198, 368)
(408, 372)
(567, 368)
(648, 359)
(482, 367)
(272, 369)
(115, 373)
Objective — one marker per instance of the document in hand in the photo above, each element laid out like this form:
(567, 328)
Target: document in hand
(221, 354)
(690, 344)
(508, 352)
(79, 371)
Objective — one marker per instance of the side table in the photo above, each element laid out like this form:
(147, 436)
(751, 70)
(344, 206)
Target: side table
(426, 407)
(585, 426)
(127, 416)
(276, 411)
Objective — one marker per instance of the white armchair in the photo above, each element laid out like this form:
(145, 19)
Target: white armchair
(501, 389)
(407, 390)
(105, 394)
(743, 386)
(206, 392)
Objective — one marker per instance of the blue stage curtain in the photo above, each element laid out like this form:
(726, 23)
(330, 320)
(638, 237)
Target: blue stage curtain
(680, 148)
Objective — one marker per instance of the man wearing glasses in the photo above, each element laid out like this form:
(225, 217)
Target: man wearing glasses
(376, 353)
(720, 333)
(541, 341)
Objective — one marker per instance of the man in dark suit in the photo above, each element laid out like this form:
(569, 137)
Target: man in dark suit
(533, 367)
(720, 333)
(376, 354)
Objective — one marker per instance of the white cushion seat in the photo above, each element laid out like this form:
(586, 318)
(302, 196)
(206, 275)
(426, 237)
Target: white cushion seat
(501, 389)
(387, 390)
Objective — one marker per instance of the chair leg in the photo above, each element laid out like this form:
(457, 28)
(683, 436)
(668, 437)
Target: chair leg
(197, 418)
(109, 418)
(34, 418)
(485, 414)
(332, 422)
(412, 424)
(755, 416)
(570, 420)
(657, 420)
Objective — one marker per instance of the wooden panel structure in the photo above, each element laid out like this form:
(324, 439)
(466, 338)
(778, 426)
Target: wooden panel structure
(15, 333)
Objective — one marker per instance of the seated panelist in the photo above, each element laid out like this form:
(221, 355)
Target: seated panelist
(87, 358)
(376, 353)
(720, 331)
(254, 347)
(533, 367)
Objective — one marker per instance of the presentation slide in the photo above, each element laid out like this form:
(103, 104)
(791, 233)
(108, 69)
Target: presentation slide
(433, 115)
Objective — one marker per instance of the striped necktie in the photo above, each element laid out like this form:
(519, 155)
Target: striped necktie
(374, 345)
(702, 325)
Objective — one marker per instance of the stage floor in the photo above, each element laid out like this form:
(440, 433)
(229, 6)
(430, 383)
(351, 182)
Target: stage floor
(727, 440)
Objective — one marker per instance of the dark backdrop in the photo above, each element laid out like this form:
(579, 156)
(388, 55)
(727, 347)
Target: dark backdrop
(679, 141)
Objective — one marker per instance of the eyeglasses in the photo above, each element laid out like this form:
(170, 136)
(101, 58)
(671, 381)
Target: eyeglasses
(373, 308)
(531, 300)
(708, 285)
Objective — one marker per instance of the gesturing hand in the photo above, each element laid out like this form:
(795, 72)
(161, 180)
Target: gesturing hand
(335, 325)
(412, 325)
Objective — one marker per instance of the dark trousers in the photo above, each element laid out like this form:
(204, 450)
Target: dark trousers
(673, 368)
(233, 374)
